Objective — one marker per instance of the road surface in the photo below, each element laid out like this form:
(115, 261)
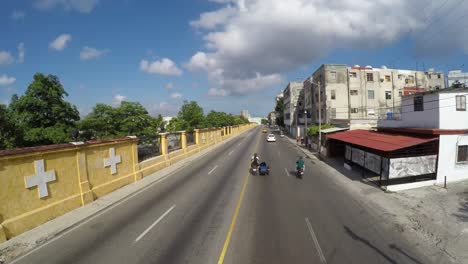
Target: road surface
(215, 212)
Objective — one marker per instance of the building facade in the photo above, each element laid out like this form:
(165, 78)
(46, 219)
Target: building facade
(292, 104)
(363, 93)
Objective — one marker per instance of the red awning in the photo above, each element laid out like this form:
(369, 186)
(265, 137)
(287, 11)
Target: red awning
(380, 141)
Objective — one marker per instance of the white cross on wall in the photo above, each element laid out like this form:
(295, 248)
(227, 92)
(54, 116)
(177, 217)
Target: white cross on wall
(40, 179)
(112, 161)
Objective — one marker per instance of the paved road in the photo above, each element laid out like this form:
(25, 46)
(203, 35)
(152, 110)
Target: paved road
(188, 218)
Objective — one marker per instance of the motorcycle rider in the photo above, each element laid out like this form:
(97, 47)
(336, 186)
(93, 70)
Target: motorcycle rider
(255, 160)
(300, 165)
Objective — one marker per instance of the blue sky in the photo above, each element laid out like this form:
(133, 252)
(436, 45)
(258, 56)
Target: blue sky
(228, 55)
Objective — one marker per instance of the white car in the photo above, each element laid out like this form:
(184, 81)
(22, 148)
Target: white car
(271, 138)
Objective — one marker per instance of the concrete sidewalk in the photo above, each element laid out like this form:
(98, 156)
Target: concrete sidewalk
(434, 218)
(35, 237)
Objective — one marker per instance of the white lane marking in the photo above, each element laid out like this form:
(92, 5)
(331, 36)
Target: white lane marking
(287, 172)
(279, 154)
(154, 224)
(314, 237)
(212, 169)
(239, 144)
(230, 152)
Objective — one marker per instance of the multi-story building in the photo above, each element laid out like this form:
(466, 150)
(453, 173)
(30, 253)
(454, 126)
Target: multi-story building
(457, 77)
(245, 113)
(272, 118)
(363, 93)
(291, 95)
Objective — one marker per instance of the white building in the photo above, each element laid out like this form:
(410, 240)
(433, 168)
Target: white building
(291, 96)
(442, 114)
(363, 93)
(245, 113)
(457, 77)
(257, 120)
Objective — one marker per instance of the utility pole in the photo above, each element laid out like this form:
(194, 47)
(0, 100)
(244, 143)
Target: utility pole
(320, 118)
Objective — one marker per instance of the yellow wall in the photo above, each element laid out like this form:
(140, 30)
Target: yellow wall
(80, 176)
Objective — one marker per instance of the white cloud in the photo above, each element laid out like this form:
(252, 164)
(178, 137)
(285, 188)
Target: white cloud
(254, 42)
(176, 95)
(82, 6)
(165, 109)
(88, 53)
(5, 80)
(60, 42)
(17, 15)
(163, 67)
(118, 99)
(6, 58)
(21, 52)
(169, 86)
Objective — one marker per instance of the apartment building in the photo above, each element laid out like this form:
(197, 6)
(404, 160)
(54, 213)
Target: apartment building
(457, 77)
(291, 96)
(365, 93)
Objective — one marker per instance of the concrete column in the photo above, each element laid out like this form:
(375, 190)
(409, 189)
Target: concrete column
(136, 166)
(3, 237)
(197, 136)
(83, 179)
(225, 131)
(163, 144)
(183, 140)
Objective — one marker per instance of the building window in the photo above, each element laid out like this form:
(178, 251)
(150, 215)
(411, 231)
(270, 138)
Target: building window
(418, 103)
(439, 76)
(354, 110)
(461, 102)
(400, 76)
(333, 112)
(332, 76)
(288, 116)
(333, 95)
(462, 154)
(387, 78)
(370, 77)
(388, 95)
(400, 93)
(353, 92)
(352, 75)
(409, 80)
(370, 94)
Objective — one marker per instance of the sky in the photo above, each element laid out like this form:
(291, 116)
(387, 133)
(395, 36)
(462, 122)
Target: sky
(227, 55)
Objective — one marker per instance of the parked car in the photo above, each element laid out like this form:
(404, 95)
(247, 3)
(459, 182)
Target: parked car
(271, 138)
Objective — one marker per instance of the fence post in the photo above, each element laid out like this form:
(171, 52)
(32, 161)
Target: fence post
(163, 144)
(183, 141)
(197, 136)
(82, 171)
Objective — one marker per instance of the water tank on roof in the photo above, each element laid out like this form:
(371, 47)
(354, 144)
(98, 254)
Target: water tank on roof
(356, 66)
(368, 67)
(383, 67)
(431, 70)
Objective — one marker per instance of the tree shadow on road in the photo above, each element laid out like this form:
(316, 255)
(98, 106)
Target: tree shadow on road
(366, 242)
(462, 214)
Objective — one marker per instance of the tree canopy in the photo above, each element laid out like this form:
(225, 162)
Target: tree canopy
(130, 118)
(279, 109)
(42, 114)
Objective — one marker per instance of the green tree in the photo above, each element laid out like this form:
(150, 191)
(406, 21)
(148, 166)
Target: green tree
(192, 114)
(313, 130)
(130, 118)
(42, 114)
(10, 135)
(279, 109)
(218, 119)
(264, 121)
(176, 124)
